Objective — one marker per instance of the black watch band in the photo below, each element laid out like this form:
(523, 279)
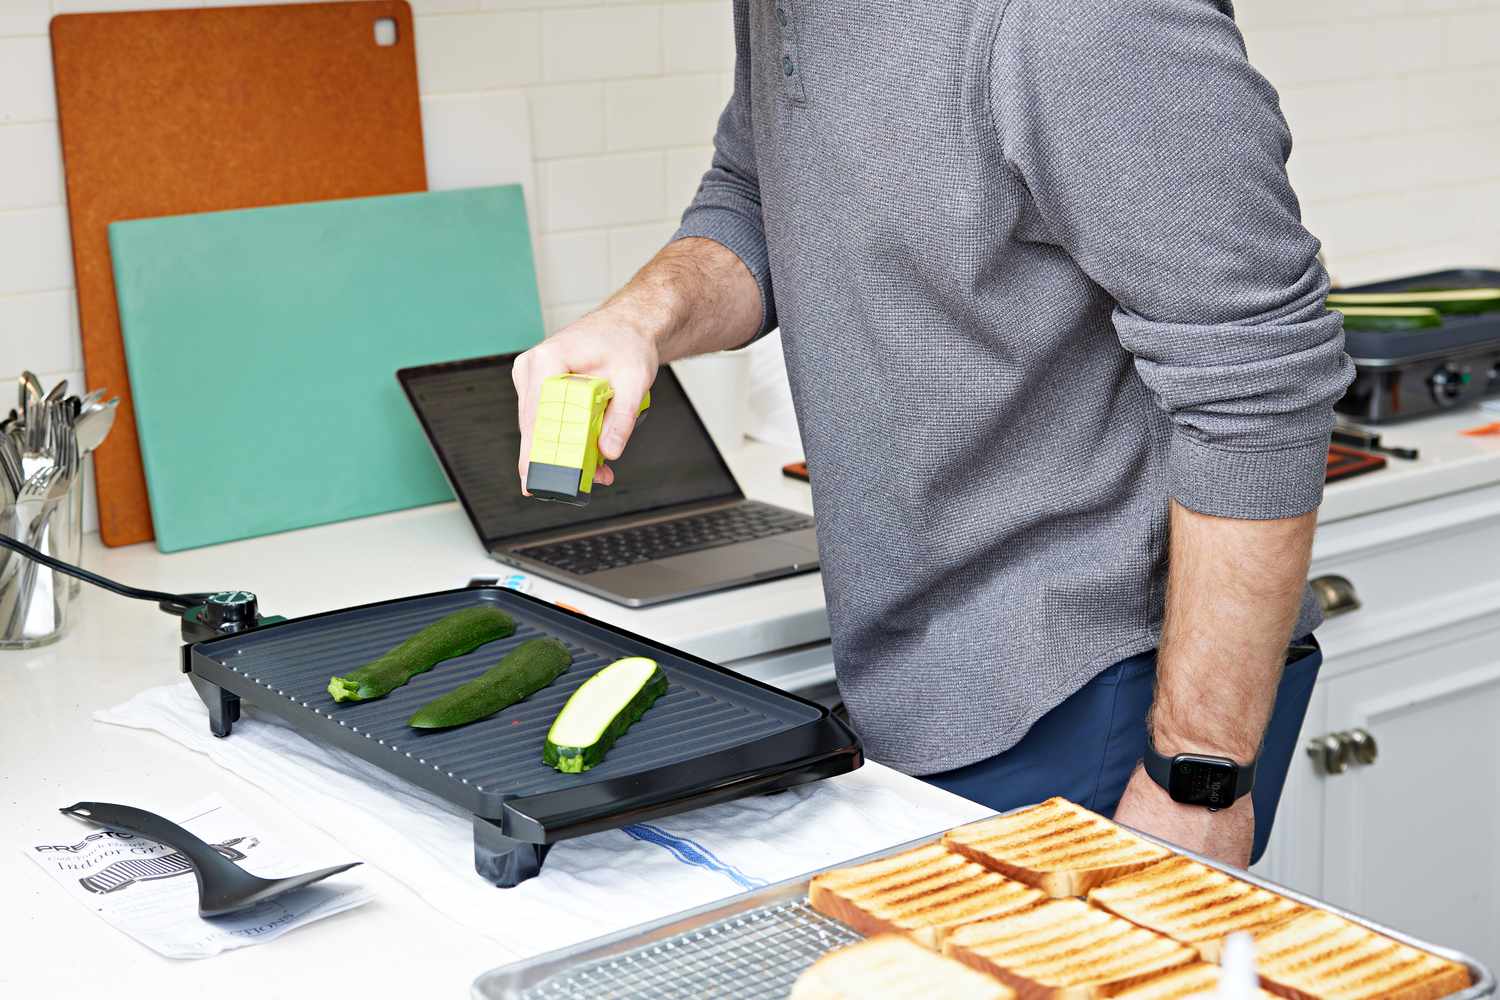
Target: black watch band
(1198, 779)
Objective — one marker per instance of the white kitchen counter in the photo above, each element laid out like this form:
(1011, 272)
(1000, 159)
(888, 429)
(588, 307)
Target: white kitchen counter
(1450, 462)
(51, 753)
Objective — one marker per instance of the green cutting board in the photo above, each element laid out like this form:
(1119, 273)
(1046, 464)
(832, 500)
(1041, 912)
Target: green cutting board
(263, 346)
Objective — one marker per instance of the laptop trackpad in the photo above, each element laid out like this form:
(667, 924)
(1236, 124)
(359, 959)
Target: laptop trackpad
(742, 561)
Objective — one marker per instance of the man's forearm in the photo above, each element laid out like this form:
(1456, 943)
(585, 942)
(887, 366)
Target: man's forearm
(1233, 591)
(694, 297)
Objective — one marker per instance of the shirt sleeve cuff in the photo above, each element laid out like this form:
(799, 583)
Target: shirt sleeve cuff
(746, 240)
(1249, 485)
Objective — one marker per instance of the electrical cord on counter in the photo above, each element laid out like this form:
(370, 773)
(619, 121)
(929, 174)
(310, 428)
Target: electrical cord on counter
(172, 604)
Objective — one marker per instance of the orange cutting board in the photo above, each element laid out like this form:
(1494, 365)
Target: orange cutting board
(178, 111)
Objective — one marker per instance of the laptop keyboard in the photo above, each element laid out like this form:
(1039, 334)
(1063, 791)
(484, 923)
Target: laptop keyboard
(649, 542)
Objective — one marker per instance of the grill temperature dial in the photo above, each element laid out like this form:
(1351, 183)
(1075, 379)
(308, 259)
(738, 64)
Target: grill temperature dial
(1448, 384)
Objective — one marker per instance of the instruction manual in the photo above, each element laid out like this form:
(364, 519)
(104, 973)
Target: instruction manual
(148, 890)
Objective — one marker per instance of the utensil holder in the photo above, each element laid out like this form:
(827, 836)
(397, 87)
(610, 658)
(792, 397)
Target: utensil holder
(37, 604)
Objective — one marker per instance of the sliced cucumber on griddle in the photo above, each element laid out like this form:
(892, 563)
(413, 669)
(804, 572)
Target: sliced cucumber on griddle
(600, 711)
(524, 671)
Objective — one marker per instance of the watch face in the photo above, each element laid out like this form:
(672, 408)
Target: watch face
(1203, 781)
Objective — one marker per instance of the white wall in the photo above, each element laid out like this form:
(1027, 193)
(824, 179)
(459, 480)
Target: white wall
(1392, 102)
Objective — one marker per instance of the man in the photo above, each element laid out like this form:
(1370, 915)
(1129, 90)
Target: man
(1064, 375)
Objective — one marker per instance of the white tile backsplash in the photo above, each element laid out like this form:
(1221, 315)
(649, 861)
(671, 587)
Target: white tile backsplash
(26, 80)
(31, 328)
(1391, 103)
(30, 166)
(24, 17)
(697, 38)
(685, 169)
(631, 246)
(574, 267)
(567, 119)
(668, 111)
(484, 51)
(35, 253)
(599, 43)
(595, 191)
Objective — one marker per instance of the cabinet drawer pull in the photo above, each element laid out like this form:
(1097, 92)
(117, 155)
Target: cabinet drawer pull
(1336, 595)
(1362, 746)
(1330, 754)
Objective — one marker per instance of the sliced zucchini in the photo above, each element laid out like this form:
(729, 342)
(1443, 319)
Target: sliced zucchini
(1458, 300)
(600, 711)
(524, 671)
(1391, 319)
(454, 635)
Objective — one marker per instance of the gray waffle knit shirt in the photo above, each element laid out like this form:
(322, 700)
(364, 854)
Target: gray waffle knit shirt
(1038, 269)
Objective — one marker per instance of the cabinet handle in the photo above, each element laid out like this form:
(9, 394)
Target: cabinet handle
(1330, 753)
(1362, 745)
(1336, 595)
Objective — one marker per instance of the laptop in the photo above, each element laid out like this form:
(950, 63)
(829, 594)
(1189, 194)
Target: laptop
(674, 524)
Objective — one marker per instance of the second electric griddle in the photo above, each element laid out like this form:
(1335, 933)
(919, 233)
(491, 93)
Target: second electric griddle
(713, 737)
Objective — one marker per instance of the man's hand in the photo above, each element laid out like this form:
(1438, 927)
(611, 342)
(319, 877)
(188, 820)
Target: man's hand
(1226, 835)
(603, 343)
(695, 296)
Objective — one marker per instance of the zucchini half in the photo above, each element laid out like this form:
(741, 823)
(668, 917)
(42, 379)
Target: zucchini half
(1390, 319)
(600, 711)
(1456, 300)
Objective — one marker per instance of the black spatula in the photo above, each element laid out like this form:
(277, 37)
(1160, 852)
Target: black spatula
(223, 886)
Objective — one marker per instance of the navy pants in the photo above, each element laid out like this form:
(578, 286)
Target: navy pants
(1086, 748)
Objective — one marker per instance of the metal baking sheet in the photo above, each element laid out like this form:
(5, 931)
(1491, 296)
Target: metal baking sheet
(757, 944)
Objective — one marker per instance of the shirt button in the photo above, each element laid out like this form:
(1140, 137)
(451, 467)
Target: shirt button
(786, 65)
(781, 16)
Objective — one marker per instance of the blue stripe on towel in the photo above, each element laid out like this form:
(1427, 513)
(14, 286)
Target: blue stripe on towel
(690, 852)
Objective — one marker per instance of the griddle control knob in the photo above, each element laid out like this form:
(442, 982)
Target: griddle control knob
(1448, 384)
(230, 611)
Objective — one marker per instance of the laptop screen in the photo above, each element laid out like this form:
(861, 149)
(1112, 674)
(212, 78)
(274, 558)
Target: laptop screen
(468, 409)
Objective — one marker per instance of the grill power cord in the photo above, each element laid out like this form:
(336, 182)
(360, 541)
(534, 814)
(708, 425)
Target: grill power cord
(172, 604)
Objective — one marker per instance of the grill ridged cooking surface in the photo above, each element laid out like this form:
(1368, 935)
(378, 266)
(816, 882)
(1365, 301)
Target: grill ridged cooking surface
(702, 711)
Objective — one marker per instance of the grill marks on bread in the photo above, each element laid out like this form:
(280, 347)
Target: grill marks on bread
(1319, 955)
(1193, 903)
(1065, 948)
(921, 892)
(1060, 848)
(1193, 982)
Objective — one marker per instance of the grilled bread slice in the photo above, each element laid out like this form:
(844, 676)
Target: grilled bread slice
(1061, 848)
(921, 892)
(1192, 903)
(1198, 981)
(1065, 949)
(892, 967)
(1319, 956)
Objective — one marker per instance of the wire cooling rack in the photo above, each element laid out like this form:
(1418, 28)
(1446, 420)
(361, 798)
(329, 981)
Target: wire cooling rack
(755, 955)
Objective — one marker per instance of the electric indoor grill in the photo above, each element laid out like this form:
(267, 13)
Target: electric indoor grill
(1412, 373)
(713, 737)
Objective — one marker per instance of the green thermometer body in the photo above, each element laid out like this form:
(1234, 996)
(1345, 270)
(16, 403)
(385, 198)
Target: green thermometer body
(565, 437)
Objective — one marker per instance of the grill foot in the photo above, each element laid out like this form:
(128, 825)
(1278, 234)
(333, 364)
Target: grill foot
(223, 707)
(503, 861)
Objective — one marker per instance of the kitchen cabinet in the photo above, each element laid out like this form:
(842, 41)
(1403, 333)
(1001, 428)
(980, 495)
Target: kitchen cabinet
(1392, 808)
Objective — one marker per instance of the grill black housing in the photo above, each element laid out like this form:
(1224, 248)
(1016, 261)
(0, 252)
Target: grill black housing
(1394, 371)
(714, 736)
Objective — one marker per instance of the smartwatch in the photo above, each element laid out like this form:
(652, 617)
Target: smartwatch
(1198, 779)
